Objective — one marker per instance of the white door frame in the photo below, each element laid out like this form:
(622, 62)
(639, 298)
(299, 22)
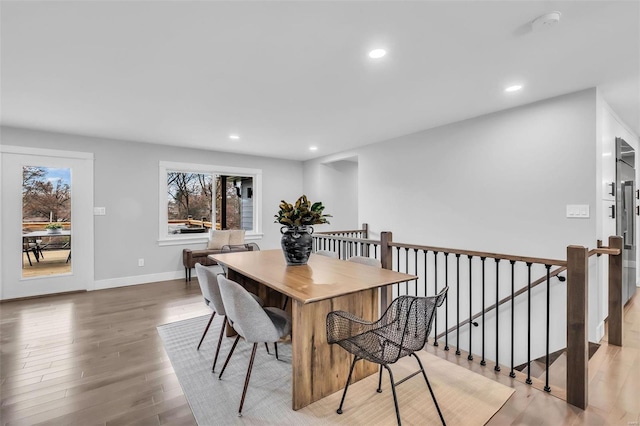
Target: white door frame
(82, 243)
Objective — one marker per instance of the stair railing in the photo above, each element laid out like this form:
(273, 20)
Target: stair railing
(435, 268)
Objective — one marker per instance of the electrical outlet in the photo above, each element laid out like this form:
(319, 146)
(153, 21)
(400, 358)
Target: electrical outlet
(140, 262)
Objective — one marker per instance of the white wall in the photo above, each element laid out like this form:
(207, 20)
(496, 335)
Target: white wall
(126, 183)
(335, 183)
(500, 182)
(497, 183)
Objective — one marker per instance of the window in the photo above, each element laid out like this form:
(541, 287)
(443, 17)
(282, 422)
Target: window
(195, 198)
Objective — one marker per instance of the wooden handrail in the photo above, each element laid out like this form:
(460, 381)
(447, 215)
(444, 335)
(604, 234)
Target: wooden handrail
(346, 239)
(339, 232)
(540, 260)
(604, 250)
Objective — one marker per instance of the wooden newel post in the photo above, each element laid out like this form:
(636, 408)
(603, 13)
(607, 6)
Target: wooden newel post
(365, 231)
(365, 236)
(386, 258)
(577, 335)
(614, 321)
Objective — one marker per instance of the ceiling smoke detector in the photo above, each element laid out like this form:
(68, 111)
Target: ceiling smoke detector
(546, 21)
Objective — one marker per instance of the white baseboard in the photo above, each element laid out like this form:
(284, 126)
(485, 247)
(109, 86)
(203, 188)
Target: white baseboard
(138, 279)
(143, 279)
(600, 332)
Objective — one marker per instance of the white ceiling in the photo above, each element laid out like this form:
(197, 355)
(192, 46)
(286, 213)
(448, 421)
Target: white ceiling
(288, 75)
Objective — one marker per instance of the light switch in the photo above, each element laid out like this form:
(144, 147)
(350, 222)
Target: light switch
(99, 211)
(578, 211)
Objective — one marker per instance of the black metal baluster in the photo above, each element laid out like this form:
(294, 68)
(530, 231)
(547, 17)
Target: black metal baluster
(497, 367)
(528, 381)
(398, 267)
(457, 304)
(435, 283)
(406, 269)
(483, 362)
(470, 356)
(546, 373)
(446, 302)
(513, 263)
(424, 252)
(415, 269)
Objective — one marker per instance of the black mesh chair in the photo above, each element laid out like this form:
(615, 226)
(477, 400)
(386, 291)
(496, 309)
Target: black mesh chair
(401, 331)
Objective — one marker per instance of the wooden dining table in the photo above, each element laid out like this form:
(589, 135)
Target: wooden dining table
(323, 285)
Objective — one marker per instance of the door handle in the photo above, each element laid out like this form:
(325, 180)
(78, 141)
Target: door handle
(613, 211)
(637, 210)
(613, 188)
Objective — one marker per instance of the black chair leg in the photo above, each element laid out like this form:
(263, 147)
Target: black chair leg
(275, 345)
(29, 258)
(206, 329)
(395, 398)
(266, 345)
(215, 359)
(246, 380)
(344, 394)
(235, 342)
(430, 390)
(379, 390)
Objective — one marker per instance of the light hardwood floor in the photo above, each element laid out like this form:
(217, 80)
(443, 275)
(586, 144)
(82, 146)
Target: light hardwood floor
(96, 358)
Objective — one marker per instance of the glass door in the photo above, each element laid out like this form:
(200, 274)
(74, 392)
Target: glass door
(47, 222)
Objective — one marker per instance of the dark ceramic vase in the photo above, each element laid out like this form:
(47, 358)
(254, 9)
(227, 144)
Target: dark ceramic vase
(296, 244)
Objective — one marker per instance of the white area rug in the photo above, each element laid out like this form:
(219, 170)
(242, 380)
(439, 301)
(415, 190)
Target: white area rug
(465, 398)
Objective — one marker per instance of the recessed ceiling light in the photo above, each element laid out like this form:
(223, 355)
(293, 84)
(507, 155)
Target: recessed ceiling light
(313, 148)
(234, 137)
(514, 88)
(377, 53)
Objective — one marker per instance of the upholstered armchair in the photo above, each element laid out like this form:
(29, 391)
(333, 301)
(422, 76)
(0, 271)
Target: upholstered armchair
(217, 240)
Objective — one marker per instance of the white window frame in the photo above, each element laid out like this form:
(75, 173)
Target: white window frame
(166, 239)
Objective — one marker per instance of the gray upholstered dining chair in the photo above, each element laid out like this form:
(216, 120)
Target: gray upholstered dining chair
(365, 261)
(253, 322)
(230, 248)
(208, 281)
(401, 331)
(327, 253)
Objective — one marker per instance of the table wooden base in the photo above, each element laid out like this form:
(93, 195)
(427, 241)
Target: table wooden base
(318, 368)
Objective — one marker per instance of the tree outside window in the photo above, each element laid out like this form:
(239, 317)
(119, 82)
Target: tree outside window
(190, 201)
(46, 194)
